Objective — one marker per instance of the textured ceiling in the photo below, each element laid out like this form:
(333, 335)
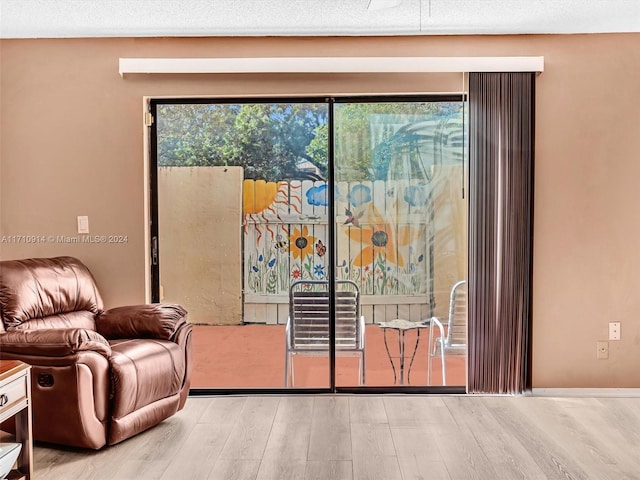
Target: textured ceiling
(142, 18)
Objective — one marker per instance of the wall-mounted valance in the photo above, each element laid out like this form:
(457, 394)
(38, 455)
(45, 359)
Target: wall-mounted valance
(330, 65)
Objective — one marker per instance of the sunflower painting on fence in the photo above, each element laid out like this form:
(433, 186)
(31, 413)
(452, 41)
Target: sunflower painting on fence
(284, 234)
(384, 249)
(381, 241)
(380, 259)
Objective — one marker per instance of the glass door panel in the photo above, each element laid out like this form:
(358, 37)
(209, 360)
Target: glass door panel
(242, 216)
(400, 236)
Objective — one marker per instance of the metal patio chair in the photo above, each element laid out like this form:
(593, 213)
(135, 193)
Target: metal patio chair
(307, 331)
(454, 342)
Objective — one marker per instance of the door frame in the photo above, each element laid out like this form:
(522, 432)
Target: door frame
(152, 248)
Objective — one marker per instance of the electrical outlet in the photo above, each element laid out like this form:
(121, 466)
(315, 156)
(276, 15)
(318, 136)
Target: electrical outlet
(602, 350)
(614, 330)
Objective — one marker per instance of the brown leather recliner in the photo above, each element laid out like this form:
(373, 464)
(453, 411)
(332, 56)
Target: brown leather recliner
(97, 377)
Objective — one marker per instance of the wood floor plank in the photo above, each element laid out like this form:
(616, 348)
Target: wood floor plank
(330, 441)
(415, 441)
(415, 467)
(333, 437)
(295, 409)
(330, 429)
(289, 440)
(373, 451)
(620, 417)
(415, 410)
(554, 459)
(224, 409)
(367, 409)
(329, 470)
(331, 409)
(279, 468)
(509, 458)
(461, 454)
(233, 469)
(561, 424)
(371, 440)
(376, 468)
(61, 464)
(151, 452)
(197, 455)
(248, 438)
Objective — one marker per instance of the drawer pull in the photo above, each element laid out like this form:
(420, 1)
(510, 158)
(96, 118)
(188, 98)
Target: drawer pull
(3, 400)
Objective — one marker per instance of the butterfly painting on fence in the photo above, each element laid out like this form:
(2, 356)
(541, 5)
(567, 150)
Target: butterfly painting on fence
(321, 249)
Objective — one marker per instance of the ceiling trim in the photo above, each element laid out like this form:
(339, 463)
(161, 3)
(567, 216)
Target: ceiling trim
(329, 65)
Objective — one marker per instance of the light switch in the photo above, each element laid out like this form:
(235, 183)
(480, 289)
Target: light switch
(83, 224)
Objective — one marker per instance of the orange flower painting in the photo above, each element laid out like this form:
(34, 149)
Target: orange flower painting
(380, 238)
(301, 243)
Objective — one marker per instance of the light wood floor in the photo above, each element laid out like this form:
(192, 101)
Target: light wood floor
(372, 437)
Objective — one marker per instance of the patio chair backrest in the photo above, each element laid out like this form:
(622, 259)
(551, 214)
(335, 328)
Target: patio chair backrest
(309, 313)
(457, 331)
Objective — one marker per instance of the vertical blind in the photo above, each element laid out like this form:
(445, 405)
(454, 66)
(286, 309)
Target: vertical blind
(501, 140)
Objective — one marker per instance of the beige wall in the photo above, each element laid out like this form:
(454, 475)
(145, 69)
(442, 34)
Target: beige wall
(72, 144)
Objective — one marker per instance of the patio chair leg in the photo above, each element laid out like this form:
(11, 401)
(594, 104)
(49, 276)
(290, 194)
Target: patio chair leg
(292, 372)
(362, 369)
(444, 373)
(286, 369)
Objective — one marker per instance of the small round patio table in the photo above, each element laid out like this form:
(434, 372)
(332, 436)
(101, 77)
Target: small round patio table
(401, 326)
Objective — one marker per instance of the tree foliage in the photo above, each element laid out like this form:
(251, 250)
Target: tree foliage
(273, 141)
(364, 134)
(268, 140)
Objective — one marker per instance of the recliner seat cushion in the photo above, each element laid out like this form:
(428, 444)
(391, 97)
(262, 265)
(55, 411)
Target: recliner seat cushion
(143, 372)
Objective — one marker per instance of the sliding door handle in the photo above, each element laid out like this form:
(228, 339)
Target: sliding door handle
(154, 251)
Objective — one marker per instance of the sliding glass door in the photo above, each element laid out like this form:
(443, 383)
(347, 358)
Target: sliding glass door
(241, 213)
(311, 239)
(401, 229)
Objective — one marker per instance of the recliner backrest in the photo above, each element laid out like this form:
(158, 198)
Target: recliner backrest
(42, 293)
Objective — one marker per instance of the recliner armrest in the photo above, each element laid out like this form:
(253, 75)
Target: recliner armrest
(54, 342)
(159, 321)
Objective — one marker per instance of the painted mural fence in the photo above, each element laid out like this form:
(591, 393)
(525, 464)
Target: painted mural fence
(385, 242)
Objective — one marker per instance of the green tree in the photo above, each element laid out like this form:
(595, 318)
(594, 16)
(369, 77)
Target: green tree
(268, 140)
(364, 134)
(318, 149)
(192, 135)
(272, 140)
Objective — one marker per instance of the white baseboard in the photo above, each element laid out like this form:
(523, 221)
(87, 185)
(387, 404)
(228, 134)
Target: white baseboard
(585, 392)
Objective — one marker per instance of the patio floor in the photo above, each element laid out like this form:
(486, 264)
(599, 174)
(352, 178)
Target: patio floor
(252, 356)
